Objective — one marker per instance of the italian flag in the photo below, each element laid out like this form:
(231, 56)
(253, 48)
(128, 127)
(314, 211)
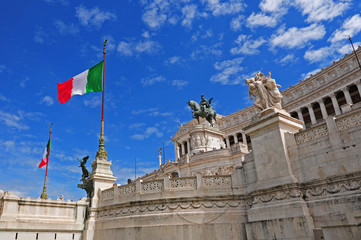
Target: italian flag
(90, 80)
(46, 154)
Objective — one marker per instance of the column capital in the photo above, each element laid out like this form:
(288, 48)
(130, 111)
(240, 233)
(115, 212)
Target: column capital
(320, 101)
(344, 89)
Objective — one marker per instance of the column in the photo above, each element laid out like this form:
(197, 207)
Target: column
(183, 150)
(176, 150)
(244, 137)
(227, 142)
(312, 114)
(358, 84)
(235, 138)
(347, 95)
(300, 117)
(323, 108)
(335, 104)
(189, 146)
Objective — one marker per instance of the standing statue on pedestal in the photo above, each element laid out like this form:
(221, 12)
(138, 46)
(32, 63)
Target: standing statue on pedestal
(204, 110)
(265, 91)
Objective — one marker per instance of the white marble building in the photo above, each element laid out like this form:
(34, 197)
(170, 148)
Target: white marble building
(274, 175)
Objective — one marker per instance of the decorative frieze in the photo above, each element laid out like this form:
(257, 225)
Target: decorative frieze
(169, 206)
(335, 187)
(312, 134)
(275, 195)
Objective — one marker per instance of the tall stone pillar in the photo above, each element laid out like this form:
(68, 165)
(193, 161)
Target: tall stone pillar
(323, 108)
(335, 104)
(300, 117)
(347, 95)
(188, 146)
(270, 217)
(235, 138)
(176, 150)
(102, 178)
(183, 150)
(358, 85)
(227, 142)
(312, 114)
(244, 138)
(273, 165)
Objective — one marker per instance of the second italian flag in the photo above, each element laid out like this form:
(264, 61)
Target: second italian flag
(90, 80)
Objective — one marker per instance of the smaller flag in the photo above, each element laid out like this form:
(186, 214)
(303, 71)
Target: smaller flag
(46, 154)
(90, 80)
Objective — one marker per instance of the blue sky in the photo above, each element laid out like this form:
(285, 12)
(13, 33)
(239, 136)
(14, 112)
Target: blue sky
(161, 53)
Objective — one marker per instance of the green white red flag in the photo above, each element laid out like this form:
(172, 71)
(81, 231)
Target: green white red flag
(90, 80)
(46, 154)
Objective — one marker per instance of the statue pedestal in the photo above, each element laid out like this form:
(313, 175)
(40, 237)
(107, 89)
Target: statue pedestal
(205, 138)
(101, 176)
(267, 133)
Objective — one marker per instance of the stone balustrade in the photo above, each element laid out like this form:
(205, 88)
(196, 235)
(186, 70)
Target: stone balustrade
(174, 187)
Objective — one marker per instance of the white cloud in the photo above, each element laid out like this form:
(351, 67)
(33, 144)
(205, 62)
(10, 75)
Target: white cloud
(93, 17)
(136, 125)
(227, 7)
(318, 55)
(13, 120)
(247, 46)
(138, 47)
(66, 29)
(2, 68)
(179, 83)
(260, 19)
(150, 131)
(347, 48)
(236, 23)
(297, 37)
(156, 12)
(205, 51)
(273, 5)
(173, 60)
(229, 72)
(350, 27)
(307, 75)
(150, 81)
(3, 98)
(143, 111)
(93, 102)
(319, 10)
(40, 36)
(288, 59)
(188, 13)
(23, 82)
(47, 100)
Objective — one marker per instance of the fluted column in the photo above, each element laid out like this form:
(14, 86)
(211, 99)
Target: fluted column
(183, 150)
(300, 117)
(335, 104)
(347, 95)
(312, 114)
(323, 108)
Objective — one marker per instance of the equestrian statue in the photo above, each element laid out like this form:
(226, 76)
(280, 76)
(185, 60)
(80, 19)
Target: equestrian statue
(204, 110)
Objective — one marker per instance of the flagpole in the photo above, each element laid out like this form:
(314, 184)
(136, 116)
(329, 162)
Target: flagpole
(44, 195)
(101, 151)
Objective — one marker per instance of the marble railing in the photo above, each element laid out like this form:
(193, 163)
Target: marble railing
(333, 124)
(347, 121)
(176, 187)
(311, 134)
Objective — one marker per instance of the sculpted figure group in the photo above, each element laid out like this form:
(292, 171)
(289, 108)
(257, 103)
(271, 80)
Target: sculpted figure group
(265, 91)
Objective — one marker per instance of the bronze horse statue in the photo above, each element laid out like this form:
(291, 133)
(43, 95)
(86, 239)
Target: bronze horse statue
(209, 114)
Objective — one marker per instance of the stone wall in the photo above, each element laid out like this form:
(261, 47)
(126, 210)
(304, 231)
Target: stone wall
(316, 194)
(27, 218)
